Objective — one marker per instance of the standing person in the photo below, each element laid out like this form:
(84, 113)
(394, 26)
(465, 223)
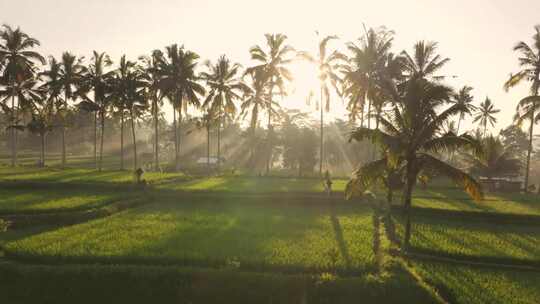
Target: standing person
(327, 183)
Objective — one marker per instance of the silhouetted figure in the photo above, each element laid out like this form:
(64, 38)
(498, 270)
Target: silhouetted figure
(327, 183)
(138, 177)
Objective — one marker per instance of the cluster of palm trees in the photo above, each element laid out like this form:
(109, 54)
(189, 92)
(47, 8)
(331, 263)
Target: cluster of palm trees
(224, 89)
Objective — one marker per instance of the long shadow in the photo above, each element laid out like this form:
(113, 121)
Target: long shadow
(339, 238)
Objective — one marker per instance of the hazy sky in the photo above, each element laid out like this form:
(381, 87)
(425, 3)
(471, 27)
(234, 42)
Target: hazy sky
(477, 35)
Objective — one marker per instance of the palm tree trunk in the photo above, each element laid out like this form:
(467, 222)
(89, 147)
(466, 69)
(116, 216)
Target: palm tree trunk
(95, 139)
(156, 135)
(219, 141)
(322, 134)
(529, 150)
(179, 135)
(121, 139)
(269, 157)
(134, 140)
(411, 179)
(102, 136)
(42, 150)
(208, 146)
(459, 123)
(175, 138)
(64, 136)
(13, 132)
(485, 128)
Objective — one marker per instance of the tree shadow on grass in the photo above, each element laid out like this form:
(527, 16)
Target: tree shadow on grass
(338, 232)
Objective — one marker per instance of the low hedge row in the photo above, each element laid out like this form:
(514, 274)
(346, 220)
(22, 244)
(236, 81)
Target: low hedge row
(21, 283)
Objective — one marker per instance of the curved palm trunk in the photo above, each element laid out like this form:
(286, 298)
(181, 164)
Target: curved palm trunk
(529, 151)
(175, 138)
(102, 136)
(121, 139)
(134, 140)
(156, 135)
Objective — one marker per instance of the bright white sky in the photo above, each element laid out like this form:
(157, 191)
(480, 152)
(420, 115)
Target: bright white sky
(477, 35)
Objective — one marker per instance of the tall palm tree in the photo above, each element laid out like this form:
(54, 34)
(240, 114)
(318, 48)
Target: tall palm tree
(486, 113)
(328, 65)
(366, 67)
(425, 62)
(464, 96)
(255, 101)
(274, 63)
(98, 81)
(136, 102)
(224, 88)
(121, 79)
(410, 136)
(71, 74)
(19, 63)
(529, 60)
(152, 78)
(181, 84)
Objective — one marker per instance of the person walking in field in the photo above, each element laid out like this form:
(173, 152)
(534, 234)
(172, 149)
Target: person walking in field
(327, 183)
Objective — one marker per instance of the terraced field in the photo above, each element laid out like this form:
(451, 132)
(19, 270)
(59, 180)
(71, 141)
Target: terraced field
(25, 200)
(241, 234)
(475, 239)
(479, 285)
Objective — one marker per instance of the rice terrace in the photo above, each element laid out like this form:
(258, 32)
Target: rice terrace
(222, 152)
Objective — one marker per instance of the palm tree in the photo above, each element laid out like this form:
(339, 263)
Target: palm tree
(71, 74)
(98, 81)
(366, 67)
(41, 123)
(136, 103)
(463, 96)
(120, 92)
(152, 78)
(486, 113)
(255, 100)
(181, 84)
(425, 62)
(19, 63)
(274, 63)
(410, 136)
(327, 66)
(495, 160)
(225, 87)
(529, 61)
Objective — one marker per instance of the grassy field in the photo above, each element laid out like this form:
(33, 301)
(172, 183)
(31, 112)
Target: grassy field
(23, 200)
(220, 228)
(291, 238)
(476, 285)
(477, 239)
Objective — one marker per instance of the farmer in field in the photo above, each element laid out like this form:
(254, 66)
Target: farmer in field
(327, 183)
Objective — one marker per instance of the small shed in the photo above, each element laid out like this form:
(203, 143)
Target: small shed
(501, 184)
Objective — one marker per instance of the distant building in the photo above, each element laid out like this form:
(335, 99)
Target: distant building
(212, 160)
(502, 184)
